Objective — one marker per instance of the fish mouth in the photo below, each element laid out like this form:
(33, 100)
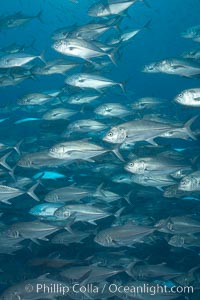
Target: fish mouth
(53, 153)
(127, 168)
(91, 13)
(178, 100)
(144, 70)
(182, 187)
(69, 82)
(20, 102)
(105, 139)
(186, 35)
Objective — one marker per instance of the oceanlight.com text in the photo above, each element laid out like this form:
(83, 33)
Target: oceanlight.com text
(59, 289)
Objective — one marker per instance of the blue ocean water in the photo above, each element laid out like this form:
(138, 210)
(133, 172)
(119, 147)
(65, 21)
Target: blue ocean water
(123, 240)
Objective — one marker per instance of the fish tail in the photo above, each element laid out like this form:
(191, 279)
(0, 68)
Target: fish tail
(31, 192)
(116, 152)
(42, 58)
(17, 147)
(127, 197)
(39, 16)
(147, 24)
(122, 88)
(187, 127)
(129, 268)
(118, 213)
(112, 57)
(3, 161)
(11, 173)
(69, 223)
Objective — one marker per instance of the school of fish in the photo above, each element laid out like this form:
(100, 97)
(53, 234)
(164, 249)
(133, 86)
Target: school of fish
(97, 187)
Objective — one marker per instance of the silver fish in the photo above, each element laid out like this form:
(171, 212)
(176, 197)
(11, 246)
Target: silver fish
(83, 213)
(101, 9)
(91, 81)
(190, 97)
(152, 165)
(92, 31)
(82, 98)
(35, 99)
(96, 274)
(66, 238)
(125, 235)
(144, 130)
(80, 48)
(181, 67)
(13, 48)
(7, 193)
(180, 224)
(38, 160)
(142, 271)
(17, 19)
(185, 241)
(58, 113)
(85, 125)
(17, 60)
(78, 149)
(195, 54)
(58, 66)
(67, 194)
(192, 33)
(148, 103)
(154, 180)
(34, 230)
(112, 110)
(190, 182)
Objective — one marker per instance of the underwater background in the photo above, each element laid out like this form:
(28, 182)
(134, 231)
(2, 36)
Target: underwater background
(129, 211)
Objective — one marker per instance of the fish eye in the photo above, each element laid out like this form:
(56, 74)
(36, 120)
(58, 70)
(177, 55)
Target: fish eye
(110, 134)
(141, 104)
(180, 95)
(66, 214)
(184, 182)
(170, 133)
(131, 164)
(7, 60)
(55, 114)
(14, 234)
(81, 80)
(71, 48)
